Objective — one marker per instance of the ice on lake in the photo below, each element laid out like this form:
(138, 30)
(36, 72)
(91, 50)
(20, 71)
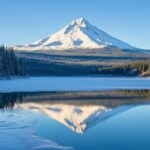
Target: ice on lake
(72, 84)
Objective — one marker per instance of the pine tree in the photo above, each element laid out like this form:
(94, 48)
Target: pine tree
(9, 65)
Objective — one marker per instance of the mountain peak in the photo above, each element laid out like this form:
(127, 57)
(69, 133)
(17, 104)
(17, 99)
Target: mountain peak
(80, 19)
(78, 34)
(81, 22)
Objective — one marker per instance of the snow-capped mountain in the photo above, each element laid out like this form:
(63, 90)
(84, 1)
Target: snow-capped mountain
(79, 34)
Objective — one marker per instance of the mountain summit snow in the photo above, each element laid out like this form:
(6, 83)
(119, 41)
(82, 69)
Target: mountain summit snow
(78, 34)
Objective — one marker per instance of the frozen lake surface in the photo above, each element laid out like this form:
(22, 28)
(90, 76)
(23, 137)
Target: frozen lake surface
(72, 84)
(16, 133)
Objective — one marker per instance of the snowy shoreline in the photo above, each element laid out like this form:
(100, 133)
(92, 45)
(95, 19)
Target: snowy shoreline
(39, 84)
(16, 129)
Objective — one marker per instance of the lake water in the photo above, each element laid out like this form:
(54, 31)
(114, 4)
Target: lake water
(81, 120)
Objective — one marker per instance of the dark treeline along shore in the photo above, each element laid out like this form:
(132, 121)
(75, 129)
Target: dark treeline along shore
(114, 61)
(106, 98)
(141, 68)
(9, 64)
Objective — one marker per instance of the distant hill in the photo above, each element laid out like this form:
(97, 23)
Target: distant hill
(73, 63)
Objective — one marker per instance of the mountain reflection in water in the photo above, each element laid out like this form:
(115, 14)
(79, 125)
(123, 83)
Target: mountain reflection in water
(77, 110)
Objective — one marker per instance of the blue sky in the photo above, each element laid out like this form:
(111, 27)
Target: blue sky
(26, 21)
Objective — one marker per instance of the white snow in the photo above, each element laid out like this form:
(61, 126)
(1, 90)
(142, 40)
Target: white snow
(16, 133)
(72, 84)
(80, 30)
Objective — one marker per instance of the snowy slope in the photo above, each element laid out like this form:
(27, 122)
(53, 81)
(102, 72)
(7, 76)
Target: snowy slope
(79, 34)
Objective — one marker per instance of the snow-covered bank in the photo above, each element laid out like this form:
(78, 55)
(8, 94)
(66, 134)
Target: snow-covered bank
(73, 84)
(16, 134)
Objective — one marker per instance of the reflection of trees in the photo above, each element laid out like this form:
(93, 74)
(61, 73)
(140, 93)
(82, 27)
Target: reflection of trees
(106, 98)
(7, 100)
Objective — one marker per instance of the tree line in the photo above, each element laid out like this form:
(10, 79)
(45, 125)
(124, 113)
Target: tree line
(130, 69)
(9, 64)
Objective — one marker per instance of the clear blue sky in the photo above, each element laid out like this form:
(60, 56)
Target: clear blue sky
(25, 21)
